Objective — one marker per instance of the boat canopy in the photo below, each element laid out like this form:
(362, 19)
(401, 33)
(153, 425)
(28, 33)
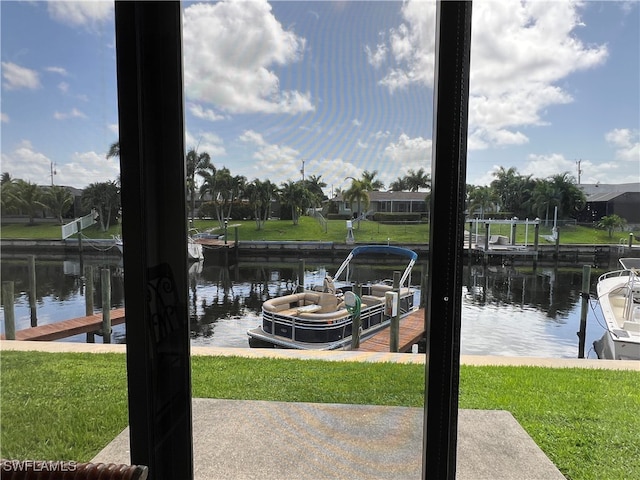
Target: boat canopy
(381, 249)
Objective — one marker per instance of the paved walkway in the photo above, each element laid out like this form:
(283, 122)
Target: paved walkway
(239, 439)
(336, 356)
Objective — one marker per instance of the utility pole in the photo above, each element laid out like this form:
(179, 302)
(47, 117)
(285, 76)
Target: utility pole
(53, 171)
(302, 170)
(578, 162)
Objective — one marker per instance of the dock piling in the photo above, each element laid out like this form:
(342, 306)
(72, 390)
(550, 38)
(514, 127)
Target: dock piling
(31, 265)
(394, 340)
(88, 297)
(586, 283)
(9, 313)
(355, 328)
(106, 305)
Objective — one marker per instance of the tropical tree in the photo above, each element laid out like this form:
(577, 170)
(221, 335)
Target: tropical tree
(611, 222)
(295, 196)
(558, 191)
(114, 150)
(260, 195)
(58, 199)
(104, 197)
(196, 164)
(370, 183)
(417, 180)
(358, 192)
(224, 190)
(514, 191)
(400, 184)
(481, 197)
(7, 186)
(24, 197)
(315, 185)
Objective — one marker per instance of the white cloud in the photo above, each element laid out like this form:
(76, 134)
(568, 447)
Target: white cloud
(27, 163)
(543, 166)
(88, 14)
(4, 118)
(377, 57)
(278, 163)
(520, 52)
(74, 113)
(17, 77)
(58, 70)
(405, 154)
(206, 142)
(199, 111)
(63, 87)
(230, 51)
(626, 142)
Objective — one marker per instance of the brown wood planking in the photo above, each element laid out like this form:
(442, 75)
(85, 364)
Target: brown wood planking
(68, 328)
(411, 330)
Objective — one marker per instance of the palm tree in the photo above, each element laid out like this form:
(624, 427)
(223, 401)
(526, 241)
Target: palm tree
(114, 150)
(417, 180)
(315, 185)
(482, 197)
(260, 195)
(224, 190)
(58, 199)
(357, 192)
(399, 185)
(611, 222)
(296, 196)
(104, 197)
(25, 197)
(369, 181)
(196, 164)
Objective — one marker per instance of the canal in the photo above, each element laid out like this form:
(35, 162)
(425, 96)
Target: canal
(515, 311)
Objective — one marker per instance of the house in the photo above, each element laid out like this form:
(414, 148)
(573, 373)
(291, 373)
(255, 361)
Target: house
(387, 202)
(608, 199)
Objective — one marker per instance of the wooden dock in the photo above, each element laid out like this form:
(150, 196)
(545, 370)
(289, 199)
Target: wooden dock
(411, 331)
(68, 328)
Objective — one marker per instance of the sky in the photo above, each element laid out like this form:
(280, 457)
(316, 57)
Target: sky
(339, 87)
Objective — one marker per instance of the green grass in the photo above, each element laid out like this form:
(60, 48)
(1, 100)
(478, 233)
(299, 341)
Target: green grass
(69, 406)
(309, 229)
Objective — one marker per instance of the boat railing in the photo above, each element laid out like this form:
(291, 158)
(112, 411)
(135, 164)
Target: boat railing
(630, 290)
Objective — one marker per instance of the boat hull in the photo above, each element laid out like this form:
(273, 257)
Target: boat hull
(619, 297)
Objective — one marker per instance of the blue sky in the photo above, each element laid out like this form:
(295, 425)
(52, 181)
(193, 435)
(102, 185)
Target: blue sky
(345, 86)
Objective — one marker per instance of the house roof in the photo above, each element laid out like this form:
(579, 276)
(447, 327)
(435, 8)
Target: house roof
(604, 192)
(378, 196)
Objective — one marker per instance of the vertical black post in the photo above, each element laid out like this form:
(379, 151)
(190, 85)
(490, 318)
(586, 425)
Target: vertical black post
(444, 289)
(152, 162)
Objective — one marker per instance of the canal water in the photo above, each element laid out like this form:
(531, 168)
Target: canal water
(510, 311)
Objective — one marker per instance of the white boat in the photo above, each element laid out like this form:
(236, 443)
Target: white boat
(619, 297)
(321, 317)
(194, 250)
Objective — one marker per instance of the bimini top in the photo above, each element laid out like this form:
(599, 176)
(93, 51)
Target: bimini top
(382, 249)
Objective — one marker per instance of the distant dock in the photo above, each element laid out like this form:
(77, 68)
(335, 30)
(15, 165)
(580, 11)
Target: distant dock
(69, 328)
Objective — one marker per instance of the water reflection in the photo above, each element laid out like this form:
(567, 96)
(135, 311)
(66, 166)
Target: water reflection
(506, 310)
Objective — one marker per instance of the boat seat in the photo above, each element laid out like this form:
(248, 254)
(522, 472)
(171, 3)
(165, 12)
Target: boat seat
(378, 290)
(328, 302)
(372, 300)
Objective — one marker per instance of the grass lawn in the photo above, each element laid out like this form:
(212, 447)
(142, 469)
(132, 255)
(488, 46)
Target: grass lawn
(69, 406)
(309, 229)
